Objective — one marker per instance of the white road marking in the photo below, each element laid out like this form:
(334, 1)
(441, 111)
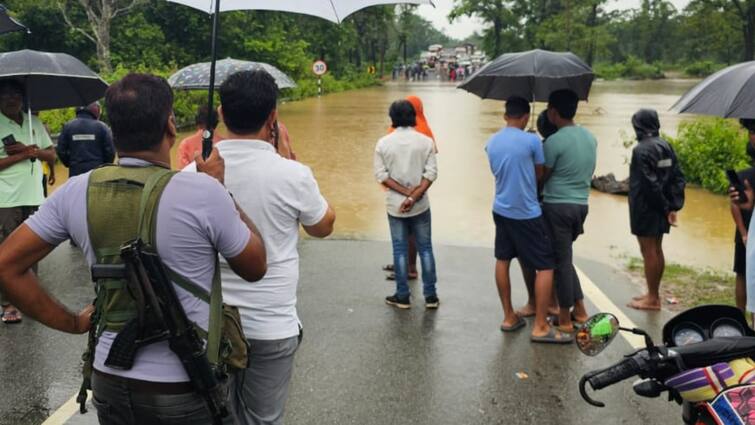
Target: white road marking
(65, 412)
(604, 304)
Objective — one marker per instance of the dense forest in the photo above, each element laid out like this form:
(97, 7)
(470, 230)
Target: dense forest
(703, 36)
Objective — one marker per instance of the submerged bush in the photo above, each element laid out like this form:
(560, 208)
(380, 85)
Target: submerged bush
(632, 68)
(186, 102)
(707, 147)
(702, 68)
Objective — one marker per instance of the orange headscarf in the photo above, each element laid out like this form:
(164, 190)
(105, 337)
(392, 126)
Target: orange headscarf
(422, 125)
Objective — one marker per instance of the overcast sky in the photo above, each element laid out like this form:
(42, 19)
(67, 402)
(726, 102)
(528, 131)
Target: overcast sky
(464, 27)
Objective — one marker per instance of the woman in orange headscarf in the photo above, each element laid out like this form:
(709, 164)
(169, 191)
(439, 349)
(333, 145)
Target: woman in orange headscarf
(422, 125)
(423, 128)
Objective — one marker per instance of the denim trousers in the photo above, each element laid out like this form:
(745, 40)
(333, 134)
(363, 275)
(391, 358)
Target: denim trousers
(421, 227)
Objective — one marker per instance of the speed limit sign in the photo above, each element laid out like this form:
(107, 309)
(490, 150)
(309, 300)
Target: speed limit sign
(319, 67)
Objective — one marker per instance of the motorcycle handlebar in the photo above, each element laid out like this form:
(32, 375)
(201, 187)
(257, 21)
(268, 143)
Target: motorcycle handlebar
(625, 369)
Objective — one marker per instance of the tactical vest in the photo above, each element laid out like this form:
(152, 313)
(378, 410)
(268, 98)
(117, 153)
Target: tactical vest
(122, 205)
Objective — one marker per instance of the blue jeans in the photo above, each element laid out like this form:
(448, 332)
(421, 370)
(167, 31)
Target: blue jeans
(421, 226)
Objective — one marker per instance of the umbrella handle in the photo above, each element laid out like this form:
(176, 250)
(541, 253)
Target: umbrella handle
(29, 117)
(207, 134)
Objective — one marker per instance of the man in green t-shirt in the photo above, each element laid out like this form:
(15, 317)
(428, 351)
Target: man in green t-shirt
(570, 156)
(21, 154)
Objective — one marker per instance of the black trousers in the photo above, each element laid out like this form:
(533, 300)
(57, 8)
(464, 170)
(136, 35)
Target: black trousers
(565, 222)
(118, 404)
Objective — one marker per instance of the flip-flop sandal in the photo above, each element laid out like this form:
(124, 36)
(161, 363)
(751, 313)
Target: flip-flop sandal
(11, 317)
(553, 320)
(388, 268)
(515, 327)
(392, 276)
(554, 336)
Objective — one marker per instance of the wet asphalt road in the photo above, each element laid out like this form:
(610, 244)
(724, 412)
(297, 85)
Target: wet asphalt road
(363, 362)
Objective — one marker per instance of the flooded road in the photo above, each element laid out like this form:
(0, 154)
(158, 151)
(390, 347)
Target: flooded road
(336, 135)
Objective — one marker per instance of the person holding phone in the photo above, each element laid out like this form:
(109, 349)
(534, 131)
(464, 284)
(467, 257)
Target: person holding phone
(656, 194)
(281, 196)
(21, 190)
(742, 217)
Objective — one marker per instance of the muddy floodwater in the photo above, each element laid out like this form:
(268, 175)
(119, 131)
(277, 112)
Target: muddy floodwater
(336, 135)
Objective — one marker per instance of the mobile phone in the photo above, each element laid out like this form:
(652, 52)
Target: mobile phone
(9, 140)
(736, 183)
(276, 135)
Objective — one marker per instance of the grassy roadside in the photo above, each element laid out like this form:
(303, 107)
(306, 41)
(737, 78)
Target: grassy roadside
(688, 285)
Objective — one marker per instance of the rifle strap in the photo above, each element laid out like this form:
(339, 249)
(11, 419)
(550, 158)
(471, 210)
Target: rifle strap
(148, 209)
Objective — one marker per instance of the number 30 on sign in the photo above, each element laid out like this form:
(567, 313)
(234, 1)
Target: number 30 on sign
(319, 68)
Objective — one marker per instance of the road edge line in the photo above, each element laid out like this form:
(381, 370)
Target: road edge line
(64, 412)
(604, 304)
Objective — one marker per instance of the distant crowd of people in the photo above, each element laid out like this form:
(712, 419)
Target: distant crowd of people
(441, 71)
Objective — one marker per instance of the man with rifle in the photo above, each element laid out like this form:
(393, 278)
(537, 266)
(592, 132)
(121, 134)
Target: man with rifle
(142, 229)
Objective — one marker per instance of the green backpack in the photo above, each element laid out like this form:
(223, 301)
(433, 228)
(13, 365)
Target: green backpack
(122, 205)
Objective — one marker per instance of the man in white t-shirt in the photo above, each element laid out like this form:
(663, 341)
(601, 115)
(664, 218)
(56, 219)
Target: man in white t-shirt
(278, 194)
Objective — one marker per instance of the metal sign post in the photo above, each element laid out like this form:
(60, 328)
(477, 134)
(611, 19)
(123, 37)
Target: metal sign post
(319, 68)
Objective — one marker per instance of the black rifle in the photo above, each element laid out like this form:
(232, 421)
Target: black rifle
(163, 313)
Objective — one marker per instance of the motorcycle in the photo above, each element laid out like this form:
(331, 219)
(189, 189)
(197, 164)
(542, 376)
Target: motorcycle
(705, 364)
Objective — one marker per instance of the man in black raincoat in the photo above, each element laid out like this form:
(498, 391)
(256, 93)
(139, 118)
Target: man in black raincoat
(85, 142)
(656, 193)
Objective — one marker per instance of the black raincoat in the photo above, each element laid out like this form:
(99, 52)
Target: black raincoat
(656, 182)
(85, 143)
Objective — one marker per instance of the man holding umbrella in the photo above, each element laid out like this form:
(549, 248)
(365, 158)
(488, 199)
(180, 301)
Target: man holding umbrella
(21, 190)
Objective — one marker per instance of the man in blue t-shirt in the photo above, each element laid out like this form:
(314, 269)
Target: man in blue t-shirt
(516, 160)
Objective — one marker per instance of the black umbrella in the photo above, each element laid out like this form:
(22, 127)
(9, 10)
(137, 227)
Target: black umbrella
(52, 80)
(8, 24)
(532, 75)
(729, 93)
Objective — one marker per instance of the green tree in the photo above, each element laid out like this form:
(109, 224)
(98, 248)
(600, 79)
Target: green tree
(100, 15)
(497, 14)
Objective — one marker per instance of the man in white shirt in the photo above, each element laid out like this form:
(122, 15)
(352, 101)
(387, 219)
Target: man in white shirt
(405, 163)
(278, 194)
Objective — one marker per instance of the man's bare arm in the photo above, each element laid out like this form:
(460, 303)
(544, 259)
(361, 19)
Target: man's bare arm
(397, 187)
(20, 285)
(47, 155)
(324, 227)
(547, 173)
(420, 190)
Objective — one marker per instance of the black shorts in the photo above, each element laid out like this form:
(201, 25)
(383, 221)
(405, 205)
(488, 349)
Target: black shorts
(648, 223)
(740, 256)
(527, 240)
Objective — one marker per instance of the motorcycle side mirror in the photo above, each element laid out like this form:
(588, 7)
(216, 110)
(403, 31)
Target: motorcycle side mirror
(597, 333)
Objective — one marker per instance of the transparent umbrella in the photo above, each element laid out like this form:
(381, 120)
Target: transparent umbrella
(197, 76)
(332, 10)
